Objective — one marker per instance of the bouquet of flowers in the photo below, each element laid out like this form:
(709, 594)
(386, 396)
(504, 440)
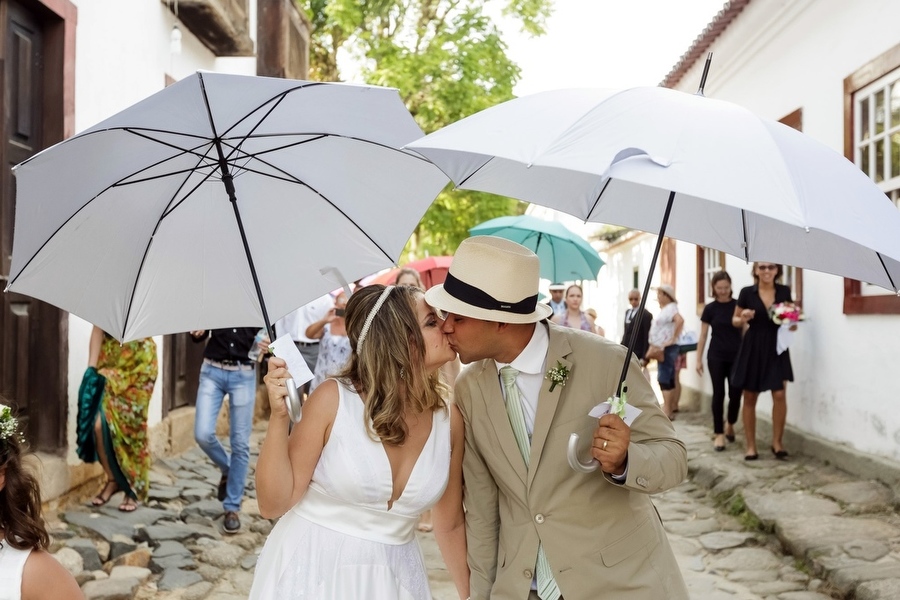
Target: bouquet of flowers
(786, 313)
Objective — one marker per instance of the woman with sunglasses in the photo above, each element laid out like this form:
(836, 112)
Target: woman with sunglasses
(758, 366)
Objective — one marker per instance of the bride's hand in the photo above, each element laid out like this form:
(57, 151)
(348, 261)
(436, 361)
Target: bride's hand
(275, 387)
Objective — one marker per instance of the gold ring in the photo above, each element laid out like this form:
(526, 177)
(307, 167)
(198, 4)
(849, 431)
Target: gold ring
(605, 442)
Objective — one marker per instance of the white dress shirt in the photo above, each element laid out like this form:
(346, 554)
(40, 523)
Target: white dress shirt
(530, 365)
(296, 322)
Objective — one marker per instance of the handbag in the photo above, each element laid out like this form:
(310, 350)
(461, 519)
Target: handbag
(656, 353)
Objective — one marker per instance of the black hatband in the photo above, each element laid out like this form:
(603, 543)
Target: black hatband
(472, 295)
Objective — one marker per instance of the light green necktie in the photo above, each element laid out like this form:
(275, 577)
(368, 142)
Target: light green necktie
(546, 585)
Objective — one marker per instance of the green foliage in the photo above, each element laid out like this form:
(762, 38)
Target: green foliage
(448, 61)
(449, 219)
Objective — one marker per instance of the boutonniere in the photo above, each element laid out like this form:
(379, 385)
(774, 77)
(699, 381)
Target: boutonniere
(558, 375)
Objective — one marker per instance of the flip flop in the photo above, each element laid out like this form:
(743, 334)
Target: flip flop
(101, 499)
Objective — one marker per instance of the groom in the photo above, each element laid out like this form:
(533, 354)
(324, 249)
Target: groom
(536, 528)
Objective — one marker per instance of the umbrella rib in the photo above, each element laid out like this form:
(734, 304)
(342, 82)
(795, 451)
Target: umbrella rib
(886, 272)
(292, 179)
(473, 173)
(597, 201)
(75, 213)
(137, 275)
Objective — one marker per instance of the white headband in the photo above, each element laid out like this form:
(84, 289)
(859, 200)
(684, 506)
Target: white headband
(371, 317)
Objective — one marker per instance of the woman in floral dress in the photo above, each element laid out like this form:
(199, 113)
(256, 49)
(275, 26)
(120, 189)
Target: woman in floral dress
(119, 419)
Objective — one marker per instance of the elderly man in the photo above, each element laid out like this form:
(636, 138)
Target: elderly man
(536, 528)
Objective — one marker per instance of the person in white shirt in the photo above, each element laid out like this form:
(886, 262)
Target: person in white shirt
(297, 322)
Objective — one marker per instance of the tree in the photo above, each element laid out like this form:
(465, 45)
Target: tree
(448, 60)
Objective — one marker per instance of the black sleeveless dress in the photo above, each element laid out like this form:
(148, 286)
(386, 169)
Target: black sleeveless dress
(758, 367)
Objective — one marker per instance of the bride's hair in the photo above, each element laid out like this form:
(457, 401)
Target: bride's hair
(20, 496)
(389, 369)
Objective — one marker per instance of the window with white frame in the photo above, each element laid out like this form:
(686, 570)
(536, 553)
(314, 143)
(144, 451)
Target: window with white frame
(709, 261)
(877, 132)
(876, 136)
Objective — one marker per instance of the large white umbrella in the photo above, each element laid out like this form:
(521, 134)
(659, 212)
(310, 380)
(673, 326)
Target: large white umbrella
(690, 167)
(220, 201)
(750, 187)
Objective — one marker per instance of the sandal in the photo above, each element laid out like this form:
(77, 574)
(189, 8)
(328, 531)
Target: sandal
(128, 505)
(101, 498)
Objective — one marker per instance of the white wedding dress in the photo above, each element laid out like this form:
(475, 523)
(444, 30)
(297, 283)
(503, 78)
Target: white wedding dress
(340, 542)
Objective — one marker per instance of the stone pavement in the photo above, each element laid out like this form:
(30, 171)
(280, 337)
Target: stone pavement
(769, 530)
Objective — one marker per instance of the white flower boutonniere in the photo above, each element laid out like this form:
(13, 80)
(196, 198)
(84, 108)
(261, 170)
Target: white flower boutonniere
(558, 375)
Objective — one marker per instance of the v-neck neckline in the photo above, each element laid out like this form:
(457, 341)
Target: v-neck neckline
(392, 503)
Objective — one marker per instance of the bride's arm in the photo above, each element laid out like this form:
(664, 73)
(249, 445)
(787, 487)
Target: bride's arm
(286, 462)
(448, 514)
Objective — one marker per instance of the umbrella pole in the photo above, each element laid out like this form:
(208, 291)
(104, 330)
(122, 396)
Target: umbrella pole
(572, 450)
(637, 322)
(228, 180)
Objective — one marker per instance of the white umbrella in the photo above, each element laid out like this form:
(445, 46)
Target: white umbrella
(693, 168)
(220, 201)
(750, 187)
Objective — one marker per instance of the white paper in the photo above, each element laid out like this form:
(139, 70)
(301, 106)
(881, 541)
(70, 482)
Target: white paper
(631, 413)
(285, 349)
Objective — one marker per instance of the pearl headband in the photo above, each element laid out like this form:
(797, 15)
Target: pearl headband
(371, 317)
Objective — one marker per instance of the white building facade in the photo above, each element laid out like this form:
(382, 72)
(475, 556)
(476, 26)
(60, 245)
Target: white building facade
(832, 69)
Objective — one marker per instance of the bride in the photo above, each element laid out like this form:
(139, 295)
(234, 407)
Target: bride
(376, 446)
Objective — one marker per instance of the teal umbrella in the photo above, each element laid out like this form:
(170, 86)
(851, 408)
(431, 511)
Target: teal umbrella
(565, 256)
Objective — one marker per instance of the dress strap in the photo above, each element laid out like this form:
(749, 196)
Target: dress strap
(12, 564)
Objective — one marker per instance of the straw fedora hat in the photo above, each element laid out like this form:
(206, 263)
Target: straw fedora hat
(491, 279)
(668, 290)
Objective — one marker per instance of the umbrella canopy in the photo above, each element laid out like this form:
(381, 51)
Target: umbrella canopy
(565, 256)
(220, 201)
(750, 187)
(432, 270)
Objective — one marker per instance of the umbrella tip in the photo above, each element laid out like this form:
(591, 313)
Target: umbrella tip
(705, 73)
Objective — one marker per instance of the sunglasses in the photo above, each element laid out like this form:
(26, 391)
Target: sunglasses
(767, 267)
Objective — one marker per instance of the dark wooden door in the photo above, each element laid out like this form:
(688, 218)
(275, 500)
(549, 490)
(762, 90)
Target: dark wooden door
(33, 335)
(181, 371)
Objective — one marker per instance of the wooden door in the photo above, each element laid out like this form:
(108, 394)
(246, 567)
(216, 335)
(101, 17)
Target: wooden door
(33, 335)
(181, 371)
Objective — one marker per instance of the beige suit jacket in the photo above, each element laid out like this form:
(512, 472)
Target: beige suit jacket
(602, 539)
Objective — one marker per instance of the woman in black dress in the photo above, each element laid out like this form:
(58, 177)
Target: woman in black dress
(723, 348)
(758, 366)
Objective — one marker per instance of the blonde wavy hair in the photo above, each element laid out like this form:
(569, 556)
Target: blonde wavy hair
(389, 370)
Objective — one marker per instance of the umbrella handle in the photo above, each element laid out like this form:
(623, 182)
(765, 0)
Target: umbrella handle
(572, 455)
(292, 401)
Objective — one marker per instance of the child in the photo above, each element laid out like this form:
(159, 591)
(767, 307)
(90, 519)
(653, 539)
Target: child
(27, 571)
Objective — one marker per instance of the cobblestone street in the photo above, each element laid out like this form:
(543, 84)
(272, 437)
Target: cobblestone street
(843, 535)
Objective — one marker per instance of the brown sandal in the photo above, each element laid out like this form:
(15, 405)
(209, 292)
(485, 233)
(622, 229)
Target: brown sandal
(102, 498)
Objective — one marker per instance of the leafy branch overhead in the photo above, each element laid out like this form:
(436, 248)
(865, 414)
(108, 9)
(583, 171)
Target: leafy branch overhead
(448, 60)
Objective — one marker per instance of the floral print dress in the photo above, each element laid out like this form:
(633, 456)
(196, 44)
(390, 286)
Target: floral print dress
(130, 370)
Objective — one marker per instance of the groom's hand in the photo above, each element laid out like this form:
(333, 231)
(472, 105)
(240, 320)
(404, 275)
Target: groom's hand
(610, 446)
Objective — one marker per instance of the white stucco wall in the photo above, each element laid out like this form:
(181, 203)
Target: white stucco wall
(775, 58)
(122, 56)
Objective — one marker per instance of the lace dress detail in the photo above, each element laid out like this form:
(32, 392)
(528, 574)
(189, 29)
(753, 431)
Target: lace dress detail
(340, 542)
(12, 563)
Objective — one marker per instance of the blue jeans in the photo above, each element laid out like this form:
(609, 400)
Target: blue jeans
(241, 389)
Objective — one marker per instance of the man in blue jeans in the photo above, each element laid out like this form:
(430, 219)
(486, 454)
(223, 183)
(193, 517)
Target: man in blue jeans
(227, 369)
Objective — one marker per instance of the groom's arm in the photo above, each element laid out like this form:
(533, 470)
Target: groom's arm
(482, 515)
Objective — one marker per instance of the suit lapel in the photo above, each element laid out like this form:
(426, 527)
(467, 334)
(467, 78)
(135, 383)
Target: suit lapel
(495, 406)
(547, 401)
